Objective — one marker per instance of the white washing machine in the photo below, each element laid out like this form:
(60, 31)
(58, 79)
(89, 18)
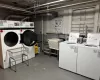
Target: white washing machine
(9, 39)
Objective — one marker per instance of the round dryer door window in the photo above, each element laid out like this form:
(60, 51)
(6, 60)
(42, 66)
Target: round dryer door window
(29, 38)
(11, 39)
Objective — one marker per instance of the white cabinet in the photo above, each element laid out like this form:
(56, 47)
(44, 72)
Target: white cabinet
(80, 59)
(67, 56)
(88, 62)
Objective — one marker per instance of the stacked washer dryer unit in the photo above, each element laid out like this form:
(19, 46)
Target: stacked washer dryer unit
(15, 34)
(9, 39)
(28, 38)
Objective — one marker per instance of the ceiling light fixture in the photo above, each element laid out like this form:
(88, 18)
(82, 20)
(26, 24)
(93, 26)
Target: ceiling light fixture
(54, 2)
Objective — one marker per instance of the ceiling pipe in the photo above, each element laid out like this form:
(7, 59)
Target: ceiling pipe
(86, 2)
(46, 4)
(15, 8)
(13, 16)
(52, 5)
(25, 18)
(41, 11)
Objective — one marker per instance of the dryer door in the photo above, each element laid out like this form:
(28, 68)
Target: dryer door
(29, 38)
(11, 39)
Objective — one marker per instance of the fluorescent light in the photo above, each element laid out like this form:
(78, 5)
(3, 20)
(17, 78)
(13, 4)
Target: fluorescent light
(55, 2)
(61, 0)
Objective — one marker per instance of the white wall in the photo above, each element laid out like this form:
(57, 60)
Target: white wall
(49, 25)
(67, 20)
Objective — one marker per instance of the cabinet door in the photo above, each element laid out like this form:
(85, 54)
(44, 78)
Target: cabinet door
(88, 63)
(67, 57)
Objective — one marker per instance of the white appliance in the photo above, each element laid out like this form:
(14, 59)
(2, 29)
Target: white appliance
(88, 62)
(81, 59)
(68, 56)
(3, 24)
(18, 24)
(10, 24)
(28, 24)
(93, 39)
(68, 52)
(9, 39)
(31, 48)
(73, 37)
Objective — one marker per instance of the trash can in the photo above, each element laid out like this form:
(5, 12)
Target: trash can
(36, 48)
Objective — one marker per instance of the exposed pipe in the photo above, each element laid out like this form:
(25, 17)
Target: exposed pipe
(24, 10)
(46, 4)
(49, 5)
(15, 8)
(25, 18)
(42, 34)
(13, 16)
(86, 2)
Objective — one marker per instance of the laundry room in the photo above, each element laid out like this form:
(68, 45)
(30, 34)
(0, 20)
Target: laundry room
(50, 39)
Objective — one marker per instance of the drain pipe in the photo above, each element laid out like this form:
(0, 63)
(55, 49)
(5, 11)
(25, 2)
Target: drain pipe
(25, 18)
(42, 34)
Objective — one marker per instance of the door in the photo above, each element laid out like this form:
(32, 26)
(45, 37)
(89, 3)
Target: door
(88, 63)
(28, 37)
(67, 56)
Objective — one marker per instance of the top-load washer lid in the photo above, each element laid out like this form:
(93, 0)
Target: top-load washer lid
(11, 39)
(29, 38)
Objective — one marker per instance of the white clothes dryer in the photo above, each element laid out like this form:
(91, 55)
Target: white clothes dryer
(9, 39)
(28, 39)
